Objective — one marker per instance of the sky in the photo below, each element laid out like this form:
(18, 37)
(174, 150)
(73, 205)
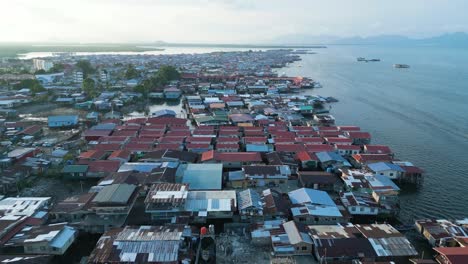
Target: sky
(223, 21)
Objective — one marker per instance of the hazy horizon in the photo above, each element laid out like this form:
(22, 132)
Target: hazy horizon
(223, 21)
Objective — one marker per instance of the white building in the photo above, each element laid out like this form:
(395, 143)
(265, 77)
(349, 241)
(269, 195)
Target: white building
(104, 76)
(40, 64)
(22, 205)
(78, 77)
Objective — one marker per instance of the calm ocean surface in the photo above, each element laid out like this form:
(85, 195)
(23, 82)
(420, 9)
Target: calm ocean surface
(421, 113)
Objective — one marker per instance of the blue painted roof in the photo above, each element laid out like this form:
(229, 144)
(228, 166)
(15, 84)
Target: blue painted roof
(306, 195)
(40, 214)
(387, 181)
(104, 126)
(61, 239)
(258, 148)
(164, 112)
(204, 176)
(63, 118)
(383, 166)
(328, 156)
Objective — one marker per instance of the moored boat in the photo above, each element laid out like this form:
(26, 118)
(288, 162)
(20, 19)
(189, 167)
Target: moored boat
(400, 66)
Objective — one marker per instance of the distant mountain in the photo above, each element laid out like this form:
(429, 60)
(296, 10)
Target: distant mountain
(304, 39)
(449, 39)
(383, 39)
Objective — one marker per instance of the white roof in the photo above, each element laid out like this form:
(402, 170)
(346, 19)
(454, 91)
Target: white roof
(22, 205)
(211, 201)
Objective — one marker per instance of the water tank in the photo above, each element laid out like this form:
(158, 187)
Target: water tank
(203, 231)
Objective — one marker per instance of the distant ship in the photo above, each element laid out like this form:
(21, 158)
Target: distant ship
(366, 60)
(400, 66)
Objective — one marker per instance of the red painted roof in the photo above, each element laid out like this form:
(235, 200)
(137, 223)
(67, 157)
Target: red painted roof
(92, 154)
(107, 147)
(170, 121)
(359, 134)
(285, 140)
(151, 133)
(226, 140)
(349, 128)
(96, 133)
(348, 147)
(138, 121)
(232, 156)
(140, 140)
(327, 128)
(113, 139)
(172, 140)
(172, 146)
(228, 133)
(253, 133)
(208, 132)
(198, 146)
(366, 158)
(330, 133)
(104, 166)
(139, 146)
(198, 139)
(30, 130)
(455, 255)
(412, 169)
(319, 148)
(290, 147)
(127, 133)
(123, 154)
(307, 133)
(249, 140)
(303, 156)
(377, 149)
(230, 128)
(128, 127)
(227, 146)
(154, 127)
(238, 156)
(279, 134)
(338, 140)
(178, 133)
(303, 128)
(180, 128)
(310, 140)
(208, 155)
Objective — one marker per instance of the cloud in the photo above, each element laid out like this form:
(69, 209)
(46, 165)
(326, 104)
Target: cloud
(223, 21)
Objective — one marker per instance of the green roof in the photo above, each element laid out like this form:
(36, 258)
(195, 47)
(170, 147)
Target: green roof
(75, 169)
(204, 119)
(306, 107)
(115, 193)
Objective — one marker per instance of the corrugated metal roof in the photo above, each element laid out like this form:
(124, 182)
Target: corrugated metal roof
(249, 198)
(383, 166)
(204, 176)
(63, 237)
(115, 193)
(306, 195)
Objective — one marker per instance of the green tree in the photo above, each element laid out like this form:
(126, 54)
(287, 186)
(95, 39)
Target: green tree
(89, 87)
(37, 88)
(131, 72)
(141, 89)
(58, 67)
(86, 67)
(41, 71)
(166, 74)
